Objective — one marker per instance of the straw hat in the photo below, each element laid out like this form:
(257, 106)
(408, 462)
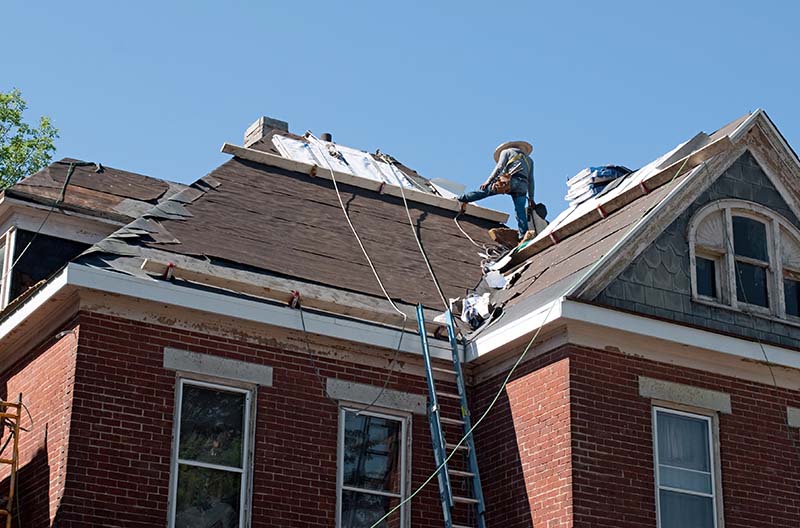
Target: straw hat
(524, 146)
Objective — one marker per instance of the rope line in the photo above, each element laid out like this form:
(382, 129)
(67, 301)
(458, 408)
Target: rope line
(61, 195)
(416, 235)
(393, 364)
(500, 389)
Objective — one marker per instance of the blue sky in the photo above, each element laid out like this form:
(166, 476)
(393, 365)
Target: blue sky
(157, 87)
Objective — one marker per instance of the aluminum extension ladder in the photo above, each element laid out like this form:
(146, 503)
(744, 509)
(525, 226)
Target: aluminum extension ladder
(470, 478)
(9, 419)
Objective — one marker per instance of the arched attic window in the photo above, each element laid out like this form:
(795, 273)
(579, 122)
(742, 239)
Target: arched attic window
(747, 257)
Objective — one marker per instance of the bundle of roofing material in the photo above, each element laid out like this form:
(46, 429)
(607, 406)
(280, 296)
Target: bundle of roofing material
(592, 181)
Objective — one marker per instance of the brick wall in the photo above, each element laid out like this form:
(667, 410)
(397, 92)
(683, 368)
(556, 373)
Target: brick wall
(524, 446)
(613, 453)
(45, 378)
(122, 427)
(571, 426)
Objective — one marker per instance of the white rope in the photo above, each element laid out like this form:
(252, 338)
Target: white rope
(324, 153)
(416, 237)
(498, 393)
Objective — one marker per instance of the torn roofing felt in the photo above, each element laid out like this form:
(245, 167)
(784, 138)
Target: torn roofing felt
(261, 218)
(112, 194)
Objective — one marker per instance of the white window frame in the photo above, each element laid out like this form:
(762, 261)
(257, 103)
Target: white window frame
(247, 456)
(714, 463)
(725, 267)
(7, 240)
(405, 466)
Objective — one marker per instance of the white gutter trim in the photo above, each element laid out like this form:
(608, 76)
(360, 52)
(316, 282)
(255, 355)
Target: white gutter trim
(567, 311)
(250, 310)
(33, 304)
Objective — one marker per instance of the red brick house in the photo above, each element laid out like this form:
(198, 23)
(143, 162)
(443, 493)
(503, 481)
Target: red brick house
(170, 383)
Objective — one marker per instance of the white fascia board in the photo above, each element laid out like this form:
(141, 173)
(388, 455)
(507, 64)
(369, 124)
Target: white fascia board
(249, 310)
(34, 303)
(566, 311)
(679, 334)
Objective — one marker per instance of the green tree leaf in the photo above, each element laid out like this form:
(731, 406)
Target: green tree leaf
(24, 149)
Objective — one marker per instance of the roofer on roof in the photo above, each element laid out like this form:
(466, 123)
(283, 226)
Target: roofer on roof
(512, 175)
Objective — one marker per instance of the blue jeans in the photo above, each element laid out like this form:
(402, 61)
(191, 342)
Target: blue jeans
(520, 201)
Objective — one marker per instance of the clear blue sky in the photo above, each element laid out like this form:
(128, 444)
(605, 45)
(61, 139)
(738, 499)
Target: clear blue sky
(157, 87)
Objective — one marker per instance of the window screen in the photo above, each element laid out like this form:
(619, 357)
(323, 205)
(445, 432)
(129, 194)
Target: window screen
(750, 238)
(751, 284)
(211, 457)
(684, 470)
(791, 292)
(706, 277)
(372, 469)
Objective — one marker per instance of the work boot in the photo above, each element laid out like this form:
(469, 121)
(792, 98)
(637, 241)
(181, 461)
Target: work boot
(505, 237)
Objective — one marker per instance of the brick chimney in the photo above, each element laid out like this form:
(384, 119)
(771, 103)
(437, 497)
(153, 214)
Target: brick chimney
(261, 128)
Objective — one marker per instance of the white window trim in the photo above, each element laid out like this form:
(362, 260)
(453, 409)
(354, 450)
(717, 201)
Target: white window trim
(8, 240)
(245, 507)
(405, 454)
(714, 454)
(726, 284)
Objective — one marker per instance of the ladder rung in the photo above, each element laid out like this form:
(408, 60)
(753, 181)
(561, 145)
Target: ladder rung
(451, 372)
(451, 421)
(6, 461)
(8, 404)
(9, 415)
(448, 395)
(465, 500)
(5, 512)
(459, 473)
(462, 447)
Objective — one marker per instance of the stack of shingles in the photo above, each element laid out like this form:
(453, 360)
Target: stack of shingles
(591, 181)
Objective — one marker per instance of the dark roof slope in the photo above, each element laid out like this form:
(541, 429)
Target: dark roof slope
(113, 194)
(289, 224)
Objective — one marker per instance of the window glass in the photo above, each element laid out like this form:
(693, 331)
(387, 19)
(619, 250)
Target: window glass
(751, 284)
(207, 498)
(683, 458)
(361, 510)
(791, 292)
(679, 510)
(212, 426)
(750, 238)
(706, 277)
(211, 454)
(372, 469)
(2, 266)
(371, 452)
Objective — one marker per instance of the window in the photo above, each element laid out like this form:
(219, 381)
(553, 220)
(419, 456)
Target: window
(684, 469)
(745, 256)
(210, 467)
(4, 264)
(372, 468)
(43, 256)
